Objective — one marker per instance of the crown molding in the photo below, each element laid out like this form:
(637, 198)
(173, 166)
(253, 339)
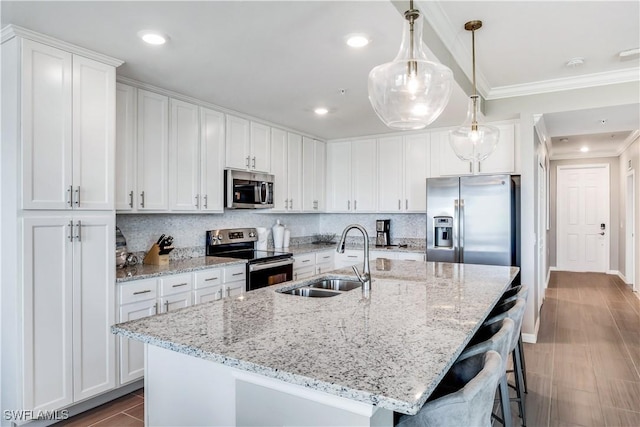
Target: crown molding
(566, 83)
(628, 141)
(595, 155)
(11, 31)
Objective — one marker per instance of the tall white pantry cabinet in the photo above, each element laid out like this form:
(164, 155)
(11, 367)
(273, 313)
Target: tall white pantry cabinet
(58, 131)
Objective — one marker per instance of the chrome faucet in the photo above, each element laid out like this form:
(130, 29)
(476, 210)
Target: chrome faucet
(365, 277)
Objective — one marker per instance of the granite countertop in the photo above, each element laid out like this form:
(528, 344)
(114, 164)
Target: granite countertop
(146, 271)
(389, 348)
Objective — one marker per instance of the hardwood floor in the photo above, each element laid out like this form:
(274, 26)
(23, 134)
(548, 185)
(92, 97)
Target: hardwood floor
(583, 371)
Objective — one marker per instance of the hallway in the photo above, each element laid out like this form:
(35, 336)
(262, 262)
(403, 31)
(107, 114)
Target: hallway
(585, 368)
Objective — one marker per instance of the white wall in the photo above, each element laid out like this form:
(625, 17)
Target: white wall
(631, 154)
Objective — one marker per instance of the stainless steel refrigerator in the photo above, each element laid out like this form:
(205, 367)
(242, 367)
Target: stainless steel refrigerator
(474, 219)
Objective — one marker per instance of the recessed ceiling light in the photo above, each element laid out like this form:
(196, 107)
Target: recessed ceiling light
(575, 62)
(321, 111)
(584, 149)
(152, 37)
(357, 40)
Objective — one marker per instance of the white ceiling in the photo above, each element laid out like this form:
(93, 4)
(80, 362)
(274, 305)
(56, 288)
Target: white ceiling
(277, 60)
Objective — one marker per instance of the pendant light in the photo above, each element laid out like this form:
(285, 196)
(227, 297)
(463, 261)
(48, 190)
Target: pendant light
(410, 92)
(472, 140)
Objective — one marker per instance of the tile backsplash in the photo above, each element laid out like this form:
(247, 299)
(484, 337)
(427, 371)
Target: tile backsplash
(188, 230)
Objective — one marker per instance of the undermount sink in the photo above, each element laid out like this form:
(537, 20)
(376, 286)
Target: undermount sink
(336, 284)
(323, 288)
(310, 292)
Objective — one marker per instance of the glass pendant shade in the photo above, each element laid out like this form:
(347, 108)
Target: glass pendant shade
(472, 140)
(410, 92)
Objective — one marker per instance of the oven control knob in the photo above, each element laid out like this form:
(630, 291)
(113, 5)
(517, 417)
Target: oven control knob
(219, 237)
(252, 234)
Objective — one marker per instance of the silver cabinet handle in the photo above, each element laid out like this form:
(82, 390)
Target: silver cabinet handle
(146, 291)
(319, 270)
(210, 279)
(78, 196)
(290, 203)
(326, 257)
(399, 204)
(218, 294)
(142, 199)
(79, 235)
(178, 285)
(247, 162)
(227, 291)
(70, 236)
(237, 274)
(348, 205)
(306, 260)
(286, 203)
(131, 199)
(166, 306)
(479, 167)
(206, 202)
(355, 205)
(253, 163)
(197, 203)
(155, 308)
(352, 256)
(70, 196)
(406, 204)
(295, 276)
(470, 167)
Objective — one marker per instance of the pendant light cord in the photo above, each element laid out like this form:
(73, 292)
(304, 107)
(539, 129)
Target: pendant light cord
(474, 121)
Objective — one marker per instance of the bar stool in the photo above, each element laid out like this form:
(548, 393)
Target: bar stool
(469, 406)
(520, 291)
(514, 311)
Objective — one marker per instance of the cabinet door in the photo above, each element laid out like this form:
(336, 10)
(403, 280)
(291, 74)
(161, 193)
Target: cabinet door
(94, 352)
(390, 173)
(153, 151)
(448, 162)
(48, 316)
(308, 175)
(132, 352)
(212, 163)
(233, 289)
(279, 169)
(237, 143)
(260, 147)
(213, 293)
(502, 159)
(294, 174)
(364, 175)
(184, 157)
(173, 302)
(125, 147)
(348, 258)
(320, 180)
(416, 171)
(94, 150)
(338, 195)
(46, 127)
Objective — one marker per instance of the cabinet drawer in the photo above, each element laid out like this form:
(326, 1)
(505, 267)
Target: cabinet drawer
(206, 278)
(325, 257)
(302, 261)
(235, 273)
(176, 284)
(139, 290)
(304, 273)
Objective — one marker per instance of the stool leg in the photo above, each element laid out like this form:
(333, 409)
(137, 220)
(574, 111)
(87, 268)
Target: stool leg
(504, 401)
(522, 362)
(519, 384)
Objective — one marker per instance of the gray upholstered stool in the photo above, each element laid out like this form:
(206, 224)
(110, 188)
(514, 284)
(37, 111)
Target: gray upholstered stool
(512, 294)
(469, 406)
(514, 311)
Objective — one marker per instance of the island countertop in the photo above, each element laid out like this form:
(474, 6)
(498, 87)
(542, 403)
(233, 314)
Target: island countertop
(389, 348)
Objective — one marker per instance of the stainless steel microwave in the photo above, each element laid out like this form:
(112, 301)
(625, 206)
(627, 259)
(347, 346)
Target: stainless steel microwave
(248, 190)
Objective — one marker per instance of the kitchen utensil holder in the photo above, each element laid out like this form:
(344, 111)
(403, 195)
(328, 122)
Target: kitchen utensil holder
(153, 257)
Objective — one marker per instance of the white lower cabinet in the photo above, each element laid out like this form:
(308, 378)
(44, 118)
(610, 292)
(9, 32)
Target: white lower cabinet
(69, 270)
(348, 258)
(325, 261)
(304, 266)
(147, 297)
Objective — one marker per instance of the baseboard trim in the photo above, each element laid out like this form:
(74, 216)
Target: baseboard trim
(553, 268)
(532, 338)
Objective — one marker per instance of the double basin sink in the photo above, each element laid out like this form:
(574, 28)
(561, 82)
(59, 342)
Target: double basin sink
(323, 288)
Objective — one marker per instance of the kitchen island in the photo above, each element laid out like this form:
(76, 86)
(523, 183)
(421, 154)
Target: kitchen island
(269, 358)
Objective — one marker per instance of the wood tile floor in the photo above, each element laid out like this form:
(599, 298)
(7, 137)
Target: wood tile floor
(583, 371)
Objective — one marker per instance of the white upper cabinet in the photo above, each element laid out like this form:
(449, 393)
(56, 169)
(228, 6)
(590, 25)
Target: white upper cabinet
(313, 174)
(390, 174)
(184, 157)
(294, 175)
(125, 148)
(502, 160)
(69, 140)
(351, 176)
(417, 168)
(211, 160)
(248, 145)
(153, 151)
(260, 147)
(279, 169)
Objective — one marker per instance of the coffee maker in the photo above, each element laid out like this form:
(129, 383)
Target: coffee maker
(382, 232)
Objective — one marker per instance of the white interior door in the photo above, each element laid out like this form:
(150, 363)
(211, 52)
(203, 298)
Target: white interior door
(542, 231)
(583, 218)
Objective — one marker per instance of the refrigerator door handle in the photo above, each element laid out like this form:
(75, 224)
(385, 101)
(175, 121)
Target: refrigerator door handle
(456, 229)
(461, 230)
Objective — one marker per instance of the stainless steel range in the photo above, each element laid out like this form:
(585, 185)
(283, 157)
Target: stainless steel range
(264, 268)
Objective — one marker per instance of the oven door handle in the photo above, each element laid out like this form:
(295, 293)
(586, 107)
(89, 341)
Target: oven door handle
(268, 265)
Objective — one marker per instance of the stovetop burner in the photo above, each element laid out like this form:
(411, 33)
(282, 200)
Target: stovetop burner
(253, 255)
(240, 243)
